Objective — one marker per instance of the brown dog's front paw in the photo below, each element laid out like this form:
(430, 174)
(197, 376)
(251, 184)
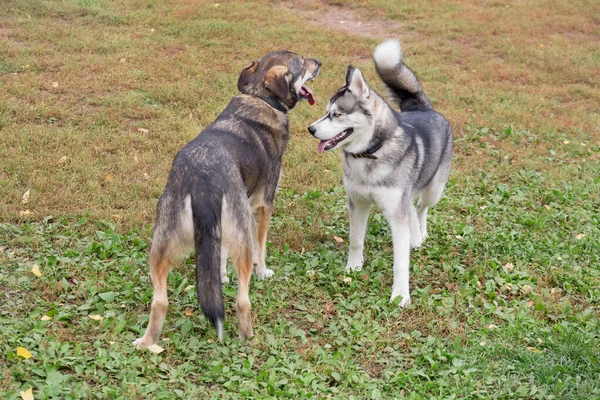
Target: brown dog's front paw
(141, 343)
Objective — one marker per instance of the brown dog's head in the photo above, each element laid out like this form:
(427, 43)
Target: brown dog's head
(280, 76)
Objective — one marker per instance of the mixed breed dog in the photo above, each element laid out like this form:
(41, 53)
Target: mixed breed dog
(219, 194)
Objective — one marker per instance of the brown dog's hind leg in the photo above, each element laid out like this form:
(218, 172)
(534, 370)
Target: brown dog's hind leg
(160, 265)
(243, 266)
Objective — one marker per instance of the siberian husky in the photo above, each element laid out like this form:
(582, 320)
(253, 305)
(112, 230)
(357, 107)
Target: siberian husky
(390, 157)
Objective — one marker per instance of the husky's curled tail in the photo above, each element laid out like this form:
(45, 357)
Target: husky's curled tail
(401, 82)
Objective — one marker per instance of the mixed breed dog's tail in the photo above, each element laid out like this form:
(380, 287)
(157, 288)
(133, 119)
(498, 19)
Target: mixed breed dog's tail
(219, 194)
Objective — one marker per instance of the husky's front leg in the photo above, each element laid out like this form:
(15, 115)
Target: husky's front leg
(400, 226)
(359, 215)
(415, 232)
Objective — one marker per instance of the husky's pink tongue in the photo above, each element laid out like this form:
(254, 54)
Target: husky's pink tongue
(322, 145)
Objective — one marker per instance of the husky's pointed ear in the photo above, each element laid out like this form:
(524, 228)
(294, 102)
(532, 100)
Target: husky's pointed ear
(349, 72)
(357, 84)
(246, 76)
(278, 81)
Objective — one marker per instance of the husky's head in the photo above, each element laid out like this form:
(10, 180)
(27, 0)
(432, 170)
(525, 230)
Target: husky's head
(349, 119)
(280, 76)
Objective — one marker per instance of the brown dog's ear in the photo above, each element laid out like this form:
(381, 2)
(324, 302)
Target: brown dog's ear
(277, 81)
(246, 75)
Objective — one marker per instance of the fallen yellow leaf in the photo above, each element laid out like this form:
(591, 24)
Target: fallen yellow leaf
(580, 236)
(36, 270)
(26, 196)
(23, 352)
(27, 395)
(189, 312)
(347, 279)
(338, 239)
(96, 317)
(46, 318)
(156, 349)
(25, 214)
(534, 350)
(188, 288)
(54, 84)
(62, 159)
(509, 266)
(109, 177)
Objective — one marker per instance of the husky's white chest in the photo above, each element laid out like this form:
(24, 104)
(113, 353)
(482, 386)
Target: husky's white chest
(364, 184)
(365, 172)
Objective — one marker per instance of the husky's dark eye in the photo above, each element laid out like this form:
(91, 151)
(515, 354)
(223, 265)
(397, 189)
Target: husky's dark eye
(336, 115)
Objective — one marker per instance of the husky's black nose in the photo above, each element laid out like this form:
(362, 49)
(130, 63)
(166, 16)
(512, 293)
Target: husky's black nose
(312, 130)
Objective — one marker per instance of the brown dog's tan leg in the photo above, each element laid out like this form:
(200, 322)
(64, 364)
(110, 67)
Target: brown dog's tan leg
(159, 269)
(243, 265)
(263, 218)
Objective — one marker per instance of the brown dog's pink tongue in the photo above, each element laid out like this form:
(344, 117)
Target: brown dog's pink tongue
(322, 145)
(309, 95)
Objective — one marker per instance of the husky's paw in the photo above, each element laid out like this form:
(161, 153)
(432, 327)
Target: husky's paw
(405, 300)
(352, 267)
(416, 243)
(224, 279)
(355, 263)
(263, 273)
(140, 344)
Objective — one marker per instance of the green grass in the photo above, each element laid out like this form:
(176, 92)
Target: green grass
(506, 290)
(505, 306)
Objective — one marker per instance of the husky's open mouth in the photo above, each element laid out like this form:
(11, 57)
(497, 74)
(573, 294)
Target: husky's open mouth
(307, 94)
(331, 143)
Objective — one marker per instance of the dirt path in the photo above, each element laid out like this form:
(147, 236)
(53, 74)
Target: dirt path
(342, 19)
